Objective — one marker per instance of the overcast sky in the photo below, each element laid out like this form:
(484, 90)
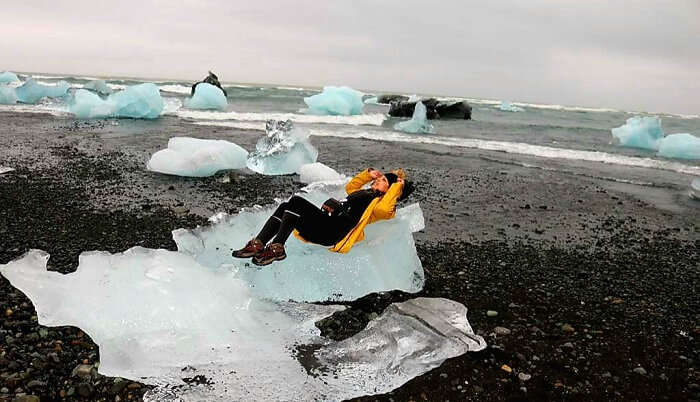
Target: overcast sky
(632, 54)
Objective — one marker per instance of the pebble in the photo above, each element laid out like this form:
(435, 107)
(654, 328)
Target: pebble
(640, 370)
(491, 313)
(83, 371)
(568, 345)
(501, 331)
(606, 375)
(506, 368)
(567, 328)
(524, 376)
(4, 390)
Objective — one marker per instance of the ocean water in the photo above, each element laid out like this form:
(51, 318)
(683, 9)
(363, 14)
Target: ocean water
(541, 130)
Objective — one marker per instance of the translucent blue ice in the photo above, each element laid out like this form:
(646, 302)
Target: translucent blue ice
(419, 122)
(334, 101)
(98, 86)
(7, 95)
(32, 92)
(207, 96)
(283, 149)
(194, 157)
(371, 101)
(508, 107)
(7, 77)
(680, 146)
(640, 132)
(141, 101)
(313, 172)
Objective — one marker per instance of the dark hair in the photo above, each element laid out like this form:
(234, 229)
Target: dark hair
(408, 187)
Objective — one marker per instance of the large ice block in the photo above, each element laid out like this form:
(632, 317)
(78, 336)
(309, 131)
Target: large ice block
(7, 77)
(283, 149)
(313, 172)
(32, 92)
(99, 86)
(207, 96)
(640, 132)
(7, 95)
(418, 123)
(141, 101)
(680, 146)
(509, 107)
(334, 101)
(197, 158)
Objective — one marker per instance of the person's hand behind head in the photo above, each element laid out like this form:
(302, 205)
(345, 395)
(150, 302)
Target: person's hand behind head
(375, 173)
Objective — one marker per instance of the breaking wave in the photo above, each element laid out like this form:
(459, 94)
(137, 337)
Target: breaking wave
(364, 119)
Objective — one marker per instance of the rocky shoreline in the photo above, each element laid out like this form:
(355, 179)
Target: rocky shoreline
(584, 288)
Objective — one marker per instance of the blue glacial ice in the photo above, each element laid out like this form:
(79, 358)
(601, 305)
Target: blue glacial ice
(99, 86)
(283, 149)
(508, 107)
(313, 172)
(7, 95)
(680, 146)
(336, 101)
(419, 122)
(194, 157)
(640, 132)
(207, 96)
(32, 92)
(7, 77)
(141, 101)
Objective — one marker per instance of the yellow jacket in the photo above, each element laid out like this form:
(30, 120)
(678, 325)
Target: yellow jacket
(383, 207)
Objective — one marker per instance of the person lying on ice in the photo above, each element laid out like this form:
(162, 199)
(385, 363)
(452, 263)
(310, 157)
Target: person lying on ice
(337, 223)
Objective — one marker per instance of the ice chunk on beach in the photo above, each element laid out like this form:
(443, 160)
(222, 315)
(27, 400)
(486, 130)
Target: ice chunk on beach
(141, 101)
(508, 107)
(282, 150)
(7, 77)
(194, 157)
(99, 86)
(32, 92)
(640, 132)
(418, 123)
(313, 172)
(7, 95)
(334, 101)
(207, 96)
(680, 146)
(695, 189)
(158, 316)
(4, 169)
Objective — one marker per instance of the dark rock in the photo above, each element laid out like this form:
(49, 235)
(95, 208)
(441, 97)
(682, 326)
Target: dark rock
(85, 390)
(434, 109)
(387, 99)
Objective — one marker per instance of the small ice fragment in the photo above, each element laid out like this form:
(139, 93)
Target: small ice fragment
(640, 132)
(7, 77)
(508, 107)
(282, 150)
(680, 146)
(32, 92)
(418, 123)
(141, 101)
(99, 86)
(334, 101)
(314, 172)
(7, 95)
(695, 189)
(194, 157)
(371, 101)
(207, 96)
(4, 169)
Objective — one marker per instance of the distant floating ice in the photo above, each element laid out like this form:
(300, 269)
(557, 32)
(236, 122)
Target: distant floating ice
(7, 77)
(32, 92)
(141, 101)
(680, 146)
(419, 122)
(197, 158)
(7, 95)
(313, 172)
(646, 132)
(282, 150)
(334, 101)
(99, 86)
(508, 107)
(207, 96)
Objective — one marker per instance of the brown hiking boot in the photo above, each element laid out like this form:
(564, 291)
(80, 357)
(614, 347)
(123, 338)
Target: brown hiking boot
(251, 249)
(273, 252)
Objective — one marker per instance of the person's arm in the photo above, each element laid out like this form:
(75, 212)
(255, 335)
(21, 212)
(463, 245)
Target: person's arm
(386, 208)
(360, 180)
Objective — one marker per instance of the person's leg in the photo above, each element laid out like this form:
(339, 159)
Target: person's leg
(269, 229)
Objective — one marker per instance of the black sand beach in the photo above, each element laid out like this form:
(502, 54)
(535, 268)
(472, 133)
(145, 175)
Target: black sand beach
(593, 281)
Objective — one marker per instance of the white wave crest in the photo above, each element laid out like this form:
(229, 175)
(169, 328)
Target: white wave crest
(243, 125)
(364, 119)
(178, 89)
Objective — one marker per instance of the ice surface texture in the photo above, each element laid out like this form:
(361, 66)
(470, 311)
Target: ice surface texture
(7, 95)
(7, 77)
(282, 150)
(646, 132)
(418, 123)
(508, 107)
(695, 189)
(98, 86)
(141, 101)
(312, 172)
(197, 158)
(335, 101)
(32, 92)
(207, 96)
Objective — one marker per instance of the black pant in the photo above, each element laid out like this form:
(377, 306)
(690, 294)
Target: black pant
(314, 224)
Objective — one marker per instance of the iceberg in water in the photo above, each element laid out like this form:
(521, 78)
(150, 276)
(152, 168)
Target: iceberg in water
(313, 172)
(141, 101)
(197, 158)
(282, 150)
(640, 132)
(7, 95)
(334, 101)
(680, 146)
(32, 92)
(7, 77)
(695, 189)
(207, 96)
(508, 107)
(99, 86)
(418, 123)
